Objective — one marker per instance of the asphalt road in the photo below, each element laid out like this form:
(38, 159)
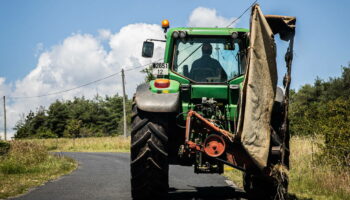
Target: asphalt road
(107, 176)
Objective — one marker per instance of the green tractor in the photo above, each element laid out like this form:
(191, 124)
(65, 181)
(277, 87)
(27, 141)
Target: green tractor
(214, 102)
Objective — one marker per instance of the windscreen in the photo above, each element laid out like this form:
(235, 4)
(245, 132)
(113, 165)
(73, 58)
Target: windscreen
(206, 59)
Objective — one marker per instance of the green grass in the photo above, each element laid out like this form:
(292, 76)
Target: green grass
(309, 178)
(28, 164)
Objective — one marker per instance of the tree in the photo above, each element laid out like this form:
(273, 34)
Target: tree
(73, 128)
(149, 74)
(58, 115)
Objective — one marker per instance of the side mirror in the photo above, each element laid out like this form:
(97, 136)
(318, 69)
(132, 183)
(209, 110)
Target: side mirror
(147, 49)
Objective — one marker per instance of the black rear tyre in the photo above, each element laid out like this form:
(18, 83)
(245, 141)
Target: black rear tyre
(149, 155)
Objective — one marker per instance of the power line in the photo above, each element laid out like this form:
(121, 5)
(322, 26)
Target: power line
(80, 86)
(242, 13)
(67, 90)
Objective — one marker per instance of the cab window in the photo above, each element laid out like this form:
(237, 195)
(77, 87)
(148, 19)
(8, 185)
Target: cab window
(207, 59)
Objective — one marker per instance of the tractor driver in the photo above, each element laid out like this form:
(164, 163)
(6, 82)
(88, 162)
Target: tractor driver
(207, 67)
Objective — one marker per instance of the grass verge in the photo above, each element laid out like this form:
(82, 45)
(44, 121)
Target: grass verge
(28, 164)
(309, 178)
(91, 144)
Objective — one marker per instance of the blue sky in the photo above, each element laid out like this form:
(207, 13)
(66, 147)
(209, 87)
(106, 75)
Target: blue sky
(321, 42)
(50, 45)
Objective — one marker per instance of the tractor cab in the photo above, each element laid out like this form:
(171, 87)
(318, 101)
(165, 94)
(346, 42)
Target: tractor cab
(203, 55)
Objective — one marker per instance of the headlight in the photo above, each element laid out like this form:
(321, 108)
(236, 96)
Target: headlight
(183, 34)
(175, 34)
(234, 35)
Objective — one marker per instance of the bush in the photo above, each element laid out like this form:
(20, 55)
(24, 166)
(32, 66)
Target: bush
(4, 147)
(28, 165)
(335, 127)
(23, 157)
(324, 109)
(86, 132)
(10, 166)
(45, 133)
(73, 128)
(330, 119)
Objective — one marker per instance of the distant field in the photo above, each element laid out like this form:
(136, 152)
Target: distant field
(309, 179)
(91, 144)
(28, 164)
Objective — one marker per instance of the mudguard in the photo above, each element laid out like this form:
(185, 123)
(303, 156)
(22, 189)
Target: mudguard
(279, 95)
(149, 101)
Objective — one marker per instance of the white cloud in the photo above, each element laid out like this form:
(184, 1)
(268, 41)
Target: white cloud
(206, 17)
(104, 34)
(39, 48)
(79, 59)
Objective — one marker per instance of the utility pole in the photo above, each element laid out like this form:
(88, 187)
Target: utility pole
(124, 102)
(5, 129)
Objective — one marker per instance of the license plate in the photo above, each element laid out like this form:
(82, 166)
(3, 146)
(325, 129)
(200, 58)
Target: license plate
(160, 69)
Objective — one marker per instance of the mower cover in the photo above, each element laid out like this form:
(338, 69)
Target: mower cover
(259, 87)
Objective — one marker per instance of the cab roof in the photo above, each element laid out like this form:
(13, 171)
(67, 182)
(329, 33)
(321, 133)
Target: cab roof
(207, 31)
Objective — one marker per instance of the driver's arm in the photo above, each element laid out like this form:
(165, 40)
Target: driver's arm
(220, 70)
(223, 74)
(195, 66)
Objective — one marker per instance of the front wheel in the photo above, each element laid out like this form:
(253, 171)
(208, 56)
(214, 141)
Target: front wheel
(149, 155)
